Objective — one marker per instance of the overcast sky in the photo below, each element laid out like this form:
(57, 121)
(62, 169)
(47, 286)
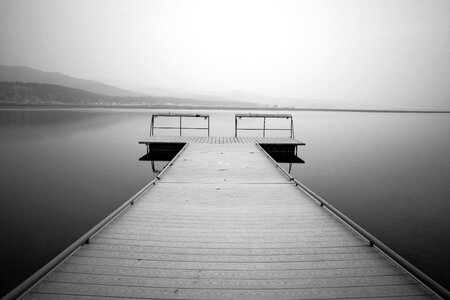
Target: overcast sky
(392, 53)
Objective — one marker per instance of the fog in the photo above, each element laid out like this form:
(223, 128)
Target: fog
(374, 53)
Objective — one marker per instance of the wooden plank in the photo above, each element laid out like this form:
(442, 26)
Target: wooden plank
(157, 212)
(174, 243)
(45, 296)
(224, 232)
(189, 293)
(224, 228)
(230, 227)
(202, 283)
(251, 212)
(249, 266)
(231, 240)
(228, 258)
(166, 219)
(230, 224)
(202, 236)
(230, 252)
(229, 274)
(238, 222)
(218, 234)
(159, 216)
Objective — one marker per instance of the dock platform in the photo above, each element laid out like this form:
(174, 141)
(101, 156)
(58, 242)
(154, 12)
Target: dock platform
(221, 140)
(223, 222)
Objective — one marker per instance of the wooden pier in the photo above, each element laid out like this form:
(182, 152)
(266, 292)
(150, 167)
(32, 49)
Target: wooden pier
(223, 222)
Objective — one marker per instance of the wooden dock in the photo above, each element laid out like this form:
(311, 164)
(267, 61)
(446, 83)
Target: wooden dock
(221, 140)
(223, 222)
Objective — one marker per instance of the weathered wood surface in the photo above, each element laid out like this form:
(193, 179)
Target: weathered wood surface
(221, 140)
(224, 223)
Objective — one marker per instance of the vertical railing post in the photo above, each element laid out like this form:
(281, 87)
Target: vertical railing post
(180, 125)
(208, 126)
(235, 126)
(292, 128)
(152, 123)
(264, 127)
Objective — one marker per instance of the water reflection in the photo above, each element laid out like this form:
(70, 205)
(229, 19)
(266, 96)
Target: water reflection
(286, 161)
(284, 154)
(158, 161)
(61, 173)
(160, 154)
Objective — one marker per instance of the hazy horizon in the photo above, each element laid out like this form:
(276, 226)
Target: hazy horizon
(372, 53)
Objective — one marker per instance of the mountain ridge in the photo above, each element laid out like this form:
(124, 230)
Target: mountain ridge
(31, 93)
(26, 74)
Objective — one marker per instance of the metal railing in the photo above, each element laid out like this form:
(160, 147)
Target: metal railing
(180, 126)
(372, 241)
(39, 275)
(264, 117)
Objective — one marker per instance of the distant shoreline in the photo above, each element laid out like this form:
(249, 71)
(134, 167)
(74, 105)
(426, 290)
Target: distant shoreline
(4, 106)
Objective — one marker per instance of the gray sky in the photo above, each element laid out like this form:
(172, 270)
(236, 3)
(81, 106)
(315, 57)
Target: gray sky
(393, 53)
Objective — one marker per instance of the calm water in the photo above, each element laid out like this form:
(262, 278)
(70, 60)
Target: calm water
(62, 171)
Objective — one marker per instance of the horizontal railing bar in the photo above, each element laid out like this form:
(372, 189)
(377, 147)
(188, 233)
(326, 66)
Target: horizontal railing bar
(169, 127)
(267, 116)
(40, 274)
(373, 241)
(262, 129)
(181, 115)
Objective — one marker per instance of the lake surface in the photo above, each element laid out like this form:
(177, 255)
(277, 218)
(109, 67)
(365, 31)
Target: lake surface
(63, 171)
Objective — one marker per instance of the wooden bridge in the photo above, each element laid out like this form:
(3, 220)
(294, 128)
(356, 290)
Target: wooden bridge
(223, 221)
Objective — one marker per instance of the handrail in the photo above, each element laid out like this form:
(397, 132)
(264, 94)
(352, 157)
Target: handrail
(180, 126)
(264, 117)
(34, 279)
(432, 285)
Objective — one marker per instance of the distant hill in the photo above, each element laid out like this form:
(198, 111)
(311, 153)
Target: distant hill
(25, 74)
(239, 95)
(27, 93)
(218, 98)
(249, 97)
